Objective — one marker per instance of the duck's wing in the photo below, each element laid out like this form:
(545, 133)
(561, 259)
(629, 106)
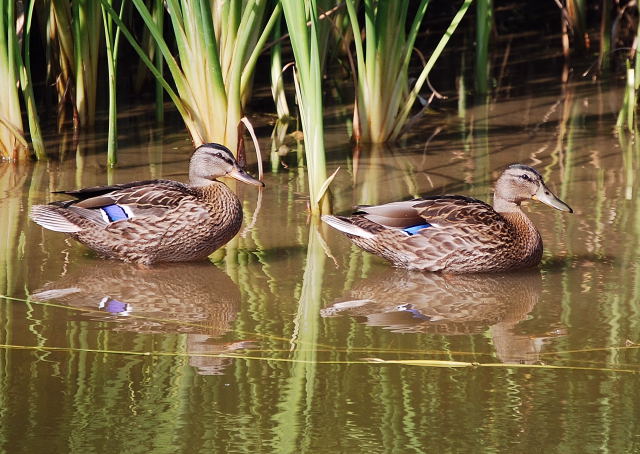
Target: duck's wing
(457, 210)
(144, 194)
(449, 215)
(444, 216)
(395, 214)
(105, 205)
(435, 211)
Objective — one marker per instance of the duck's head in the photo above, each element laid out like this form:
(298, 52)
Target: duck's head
(211, 161)
(519, 183)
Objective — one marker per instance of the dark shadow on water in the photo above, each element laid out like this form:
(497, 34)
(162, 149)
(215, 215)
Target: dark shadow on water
(196, 299)
(558, 263)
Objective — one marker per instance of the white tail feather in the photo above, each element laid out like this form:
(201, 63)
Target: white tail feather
(346, 227)
(55, 293)
(49, 218)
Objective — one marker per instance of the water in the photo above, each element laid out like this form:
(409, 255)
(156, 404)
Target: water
(273, 346)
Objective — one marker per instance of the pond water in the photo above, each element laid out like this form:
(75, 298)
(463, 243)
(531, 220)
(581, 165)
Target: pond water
(279, 343)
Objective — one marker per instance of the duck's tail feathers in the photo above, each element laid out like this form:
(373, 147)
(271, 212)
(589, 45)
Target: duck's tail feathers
(52, 218)
(343, 224)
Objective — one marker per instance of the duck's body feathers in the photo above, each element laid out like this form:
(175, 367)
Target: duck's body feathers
(148, 193)
(461, 234)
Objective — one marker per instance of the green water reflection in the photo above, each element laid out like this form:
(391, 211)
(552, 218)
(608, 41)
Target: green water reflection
(266, 348)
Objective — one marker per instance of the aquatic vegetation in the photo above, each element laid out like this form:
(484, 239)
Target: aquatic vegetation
(384, 97)
(74, 33)
(308, 83)
(218, 46)
(112, 38)
(484, 26)
(86, 27)
(627, 115)
(574, 25)
(15, 72)
(277, 84)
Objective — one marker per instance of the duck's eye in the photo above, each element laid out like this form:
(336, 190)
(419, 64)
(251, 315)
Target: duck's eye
(525, 177)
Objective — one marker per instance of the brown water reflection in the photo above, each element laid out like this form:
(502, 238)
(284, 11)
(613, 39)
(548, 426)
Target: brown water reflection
(197, 299)
(410, 302)
(77, 378)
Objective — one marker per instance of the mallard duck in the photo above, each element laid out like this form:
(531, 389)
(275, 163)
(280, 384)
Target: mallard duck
(456, 234)
(156, 220)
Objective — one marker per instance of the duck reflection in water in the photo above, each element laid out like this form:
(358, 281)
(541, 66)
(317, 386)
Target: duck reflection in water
(411, 302)
(196, 299)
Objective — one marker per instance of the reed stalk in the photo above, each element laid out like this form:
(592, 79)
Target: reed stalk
(112, 38)
(277, 85)
(308, 83)
(627, 115)
(27, 89)
(13, 145)
(384, 98)
(484, 25)
(60, 53)
(86, 15)
(605, 37)
(158, 17)
(576, 14)
(218, 45)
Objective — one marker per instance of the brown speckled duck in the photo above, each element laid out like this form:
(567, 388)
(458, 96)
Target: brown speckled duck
(456, 234)
(156, 220)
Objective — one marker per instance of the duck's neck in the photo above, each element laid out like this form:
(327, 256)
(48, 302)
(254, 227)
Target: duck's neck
(215, 191)
(527, 237)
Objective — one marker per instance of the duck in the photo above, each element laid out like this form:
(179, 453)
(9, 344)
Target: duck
(155, 221)
(454, 233)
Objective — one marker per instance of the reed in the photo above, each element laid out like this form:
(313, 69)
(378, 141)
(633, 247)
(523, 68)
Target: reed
(384, 97)
(576, 11)
(277, 84)
(112, 38)
(218, 45)
(12, 141)
(626, 116)
(308, 83)
(605, 37)
(484, 25)
(85, 24)
(60, 55)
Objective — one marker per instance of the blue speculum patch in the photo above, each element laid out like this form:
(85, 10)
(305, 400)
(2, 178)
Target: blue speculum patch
(115, 306)
(115, 212)
(415, 228)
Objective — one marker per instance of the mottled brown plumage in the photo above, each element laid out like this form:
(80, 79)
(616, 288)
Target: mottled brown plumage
(456, 234)
(157, 220)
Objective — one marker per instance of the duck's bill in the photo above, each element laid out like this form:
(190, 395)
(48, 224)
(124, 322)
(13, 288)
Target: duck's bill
(243, 176)
(547, 197)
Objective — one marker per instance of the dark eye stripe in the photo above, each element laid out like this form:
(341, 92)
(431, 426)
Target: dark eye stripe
(223, 155)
